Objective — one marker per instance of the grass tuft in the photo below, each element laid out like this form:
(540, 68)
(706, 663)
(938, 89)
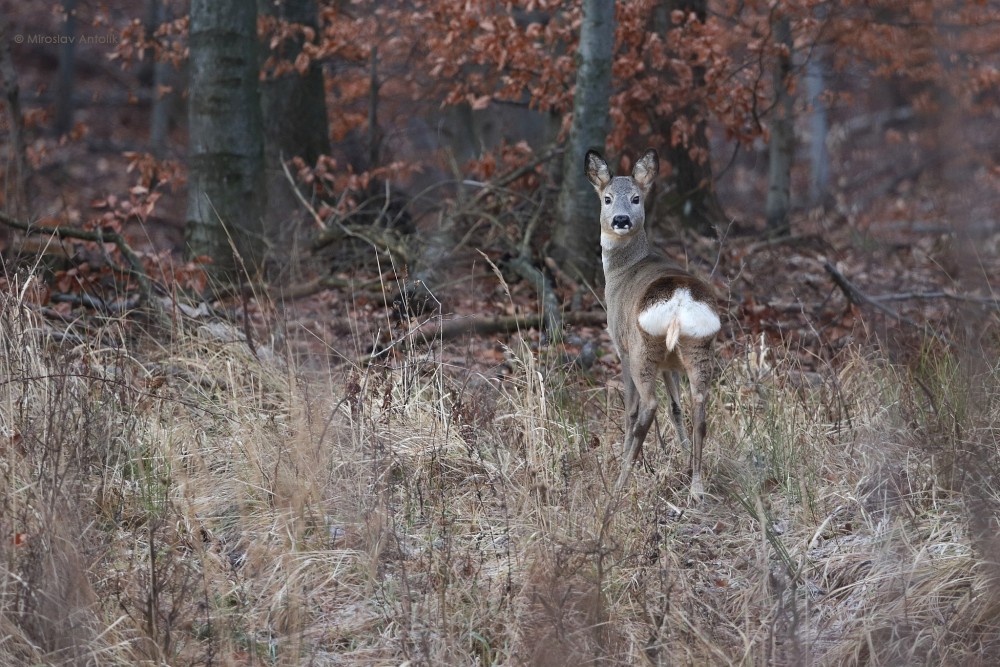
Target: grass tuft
(195, 502)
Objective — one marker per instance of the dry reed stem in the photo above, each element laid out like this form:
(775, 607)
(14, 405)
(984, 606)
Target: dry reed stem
(236, 509)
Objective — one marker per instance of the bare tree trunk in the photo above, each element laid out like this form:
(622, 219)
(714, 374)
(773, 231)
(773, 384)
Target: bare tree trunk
(226, 138)
(67, 61)
(295, 120)
(575, 241)
(163, 94)
(780, 155)
(693, 198)
(819, 156)
(17, 197)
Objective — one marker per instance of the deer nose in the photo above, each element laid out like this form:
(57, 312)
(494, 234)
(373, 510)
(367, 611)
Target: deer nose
(621, 222)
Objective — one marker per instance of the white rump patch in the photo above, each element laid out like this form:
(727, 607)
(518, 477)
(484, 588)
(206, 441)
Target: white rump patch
(679, 316)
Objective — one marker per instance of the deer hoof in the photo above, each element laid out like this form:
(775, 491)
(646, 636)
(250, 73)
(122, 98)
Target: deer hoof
(697, 490)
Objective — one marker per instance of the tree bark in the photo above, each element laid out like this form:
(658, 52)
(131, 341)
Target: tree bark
(163, 85)
(780, 153)
(693, 199)
(819, 156)
(226, 139)
(294, 104)
(295, 120)
(576, 244)
(17, 195)
(67, 65)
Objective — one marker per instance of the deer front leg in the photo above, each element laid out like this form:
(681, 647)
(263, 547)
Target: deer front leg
(631, 401)
(644, 399)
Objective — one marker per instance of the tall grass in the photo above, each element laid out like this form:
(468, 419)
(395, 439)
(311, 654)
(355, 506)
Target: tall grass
(195, 502)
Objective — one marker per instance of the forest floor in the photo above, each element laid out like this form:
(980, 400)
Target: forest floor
(320, 481)
(305, 475)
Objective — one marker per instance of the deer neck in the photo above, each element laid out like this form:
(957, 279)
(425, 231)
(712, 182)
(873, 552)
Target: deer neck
(621, 254)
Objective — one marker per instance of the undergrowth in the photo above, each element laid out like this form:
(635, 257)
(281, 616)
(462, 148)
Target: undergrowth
(199, 502)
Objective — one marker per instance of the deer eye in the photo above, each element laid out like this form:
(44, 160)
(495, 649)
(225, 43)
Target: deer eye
(635, 199)
(607, 200)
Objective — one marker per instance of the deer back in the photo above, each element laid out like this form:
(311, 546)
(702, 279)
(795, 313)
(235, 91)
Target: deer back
(644, 299)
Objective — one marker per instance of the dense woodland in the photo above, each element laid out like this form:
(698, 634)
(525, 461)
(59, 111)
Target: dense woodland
(302, 334)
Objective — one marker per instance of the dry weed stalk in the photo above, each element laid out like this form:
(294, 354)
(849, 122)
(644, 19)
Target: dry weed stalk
(193, 503)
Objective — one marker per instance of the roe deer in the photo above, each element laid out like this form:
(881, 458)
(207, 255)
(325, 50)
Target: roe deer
(660, 317)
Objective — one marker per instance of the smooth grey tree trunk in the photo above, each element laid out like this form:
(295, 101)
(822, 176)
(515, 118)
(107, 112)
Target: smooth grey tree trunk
(780, 154)
(226, 138)
(295, 120)
(576, 244)
(819, 156)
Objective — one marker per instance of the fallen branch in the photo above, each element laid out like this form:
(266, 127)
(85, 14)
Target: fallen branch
(482, 325)
(858, 298)
(106, 307)
(134, 269)
(780, 239)
(380, 239)
(964, 298)
(306, 289)
(937, 227)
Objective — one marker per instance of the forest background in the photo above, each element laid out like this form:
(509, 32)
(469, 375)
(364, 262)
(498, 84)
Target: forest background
(303, 354)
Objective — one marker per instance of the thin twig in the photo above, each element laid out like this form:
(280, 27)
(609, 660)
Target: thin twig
(859, 298)
(513, 175)
(302, 200)
(328, 235)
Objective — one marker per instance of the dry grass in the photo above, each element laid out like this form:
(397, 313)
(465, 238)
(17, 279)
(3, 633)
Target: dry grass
(194, 503)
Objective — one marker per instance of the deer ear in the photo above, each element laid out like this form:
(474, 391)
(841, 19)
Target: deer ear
(596, 169)
(645, 170)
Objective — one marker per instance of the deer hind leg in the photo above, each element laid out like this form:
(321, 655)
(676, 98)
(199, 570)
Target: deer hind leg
(672, 380)
(699, 372)
(644, 401)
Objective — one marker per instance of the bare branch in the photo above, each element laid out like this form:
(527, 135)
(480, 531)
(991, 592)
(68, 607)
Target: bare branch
(859, 298)
(964, 298)
(135, 267)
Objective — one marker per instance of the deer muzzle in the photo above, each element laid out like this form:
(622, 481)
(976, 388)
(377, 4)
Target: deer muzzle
(621, 222)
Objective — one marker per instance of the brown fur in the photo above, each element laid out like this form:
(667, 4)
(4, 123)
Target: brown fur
(636, 279)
